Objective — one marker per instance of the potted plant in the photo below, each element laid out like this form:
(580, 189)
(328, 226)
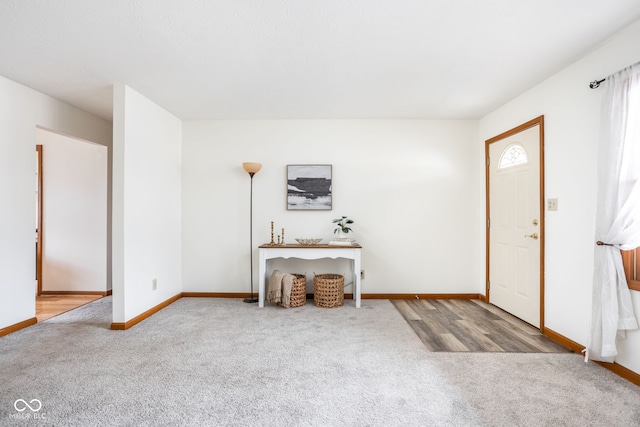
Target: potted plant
(342, 227)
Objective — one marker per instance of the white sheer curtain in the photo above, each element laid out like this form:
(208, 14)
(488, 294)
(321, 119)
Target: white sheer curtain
(618, 213)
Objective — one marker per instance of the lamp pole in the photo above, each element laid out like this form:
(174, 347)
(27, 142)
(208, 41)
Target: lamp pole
(252, 169)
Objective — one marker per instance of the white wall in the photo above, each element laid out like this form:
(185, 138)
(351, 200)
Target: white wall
(74, 231)
(21, 110)
(407, 184)
(572, 118)
(146, 204)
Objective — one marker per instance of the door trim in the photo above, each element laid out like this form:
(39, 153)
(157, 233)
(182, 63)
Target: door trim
(40, 211)
(531, 123)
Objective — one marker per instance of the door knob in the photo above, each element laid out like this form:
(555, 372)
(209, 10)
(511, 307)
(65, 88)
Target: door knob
(534, 236)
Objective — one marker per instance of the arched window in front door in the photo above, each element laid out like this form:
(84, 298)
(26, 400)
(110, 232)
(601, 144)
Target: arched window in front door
(513, 155)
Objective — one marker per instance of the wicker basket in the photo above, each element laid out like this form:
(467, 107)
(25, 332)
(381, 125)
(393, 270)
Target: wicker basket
(328, 290)
(298, 291)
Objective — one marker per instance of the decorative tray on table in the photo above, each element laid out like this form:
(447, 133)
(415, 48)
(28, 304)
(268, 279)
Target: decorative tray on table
(308, 242)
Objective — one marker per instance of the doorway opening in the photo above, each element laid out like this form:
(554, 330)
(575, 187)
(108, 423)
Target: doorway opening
(71, 223)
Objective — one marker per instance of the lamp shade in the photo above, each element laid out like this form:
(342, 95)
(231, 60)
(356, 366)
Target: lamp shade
(252, 167)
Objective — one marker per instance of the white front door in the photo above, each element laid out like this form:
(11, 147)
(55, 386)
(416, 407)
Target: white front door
(515, 224)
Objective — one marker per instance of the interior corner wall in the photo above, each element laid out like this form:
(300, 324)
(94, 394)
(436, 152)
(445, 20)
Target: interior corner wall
(409, 185)
(146, 204)
(21, 110)
(74, 232)
(572, 114)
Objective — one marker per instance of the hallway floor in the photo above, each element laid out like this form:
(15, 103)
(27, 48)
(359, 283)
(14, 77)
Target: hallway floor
(48, 306)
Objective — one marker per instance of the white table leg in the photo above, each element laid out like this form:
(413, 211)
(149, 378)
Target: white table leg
(262, 272)
(356, 281)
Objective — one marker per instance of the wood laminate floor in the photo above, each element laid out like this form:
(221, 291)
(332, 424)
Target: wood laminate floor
(472, 326)
(48, 306)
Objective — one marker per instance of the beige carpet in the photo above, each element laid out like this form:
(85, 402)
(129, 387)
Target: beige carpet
(222, 362)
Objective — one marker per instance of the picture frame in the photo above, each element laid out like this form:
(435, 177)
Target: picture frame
(309, 187)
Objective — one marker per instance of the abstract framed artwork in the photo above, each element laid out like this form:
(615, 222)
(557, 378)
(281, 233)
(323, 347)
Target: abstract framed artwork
(309, 187)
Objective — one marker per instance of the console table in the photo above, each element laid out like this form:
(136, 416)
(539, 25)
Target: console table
(267, 252)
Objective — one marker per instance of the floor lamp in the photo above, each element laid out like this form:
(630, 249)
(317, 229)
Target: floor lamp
(252, 169)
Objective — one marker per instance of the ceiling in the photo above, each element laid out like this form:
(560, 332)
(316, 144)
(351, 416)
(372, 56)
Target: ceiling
(301, 59)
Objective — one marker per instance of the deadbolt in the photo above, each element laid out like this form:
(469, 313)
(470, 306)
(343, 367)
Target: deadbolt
(534, 222)
(534, 236)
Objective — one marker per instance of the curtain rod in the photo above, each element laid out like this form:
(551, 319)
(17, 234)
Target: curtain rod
(596, 83)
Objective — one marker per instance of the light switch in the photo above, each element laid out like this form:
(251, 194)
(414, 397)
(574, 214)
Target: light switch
(552, 204)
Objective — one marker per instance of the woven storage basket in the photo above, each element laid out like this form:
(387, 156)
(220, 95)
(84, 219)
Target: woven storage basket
(298, 291)
(328, 290)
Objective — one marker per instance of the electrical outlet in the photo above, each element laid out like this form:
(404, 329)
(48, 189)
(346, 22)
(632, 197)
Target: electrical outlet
(154, 284)
(361, 274)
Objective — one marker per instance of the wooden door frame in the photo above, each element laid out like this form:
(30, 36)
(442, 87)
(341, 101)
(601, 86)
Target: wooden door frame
(39, 233)
(531, 123)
